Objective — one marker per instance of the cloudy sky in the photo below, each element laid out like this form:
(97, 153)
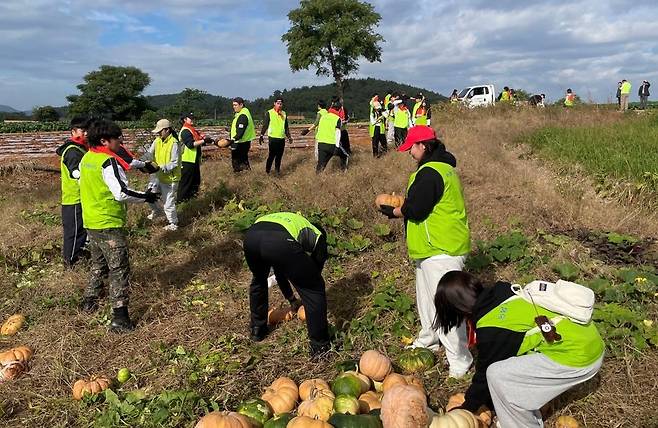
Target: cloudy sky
(234, 48)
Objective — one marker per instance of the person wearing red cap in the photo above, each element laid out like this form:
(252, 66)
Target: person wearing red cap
(438, 237)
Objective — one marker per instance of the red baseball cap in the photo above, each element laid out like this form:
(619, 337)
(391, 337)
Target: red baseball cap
(417, 134)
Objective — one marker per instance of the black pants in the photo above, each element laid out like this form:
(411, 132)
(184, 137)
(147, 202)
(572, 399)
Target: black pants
(345, 141)
(378, 138)
(268, 245)
(326, 152)
(276, 146)
(240, 156)
(400, 134)
(75, 234)
(190, 180)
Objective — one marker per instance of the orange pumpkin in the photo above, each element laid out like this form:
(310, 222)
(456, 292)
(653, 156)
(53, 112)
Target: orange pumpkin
(306, 422)
(224, 420)
(301, 313)
(312, 387)
(20, 353)
(565, 421)
(374, 365)
(370, 400)
(404, 406)
(391, 380)
(276, 316)
(92, 386)
(11, 371)
(282, 395)
(222, 143)
(392, 200)
(12, 325)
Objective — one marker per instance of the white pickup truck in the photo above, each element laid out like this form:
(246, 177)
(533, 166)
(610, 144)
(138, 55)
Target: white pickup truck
(478, 96)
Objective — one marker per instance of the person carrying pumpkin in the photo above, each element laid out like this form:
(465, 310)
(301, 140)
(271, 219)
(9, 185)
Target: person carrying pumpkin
(438, 237)
(297, 251)
(518, 369)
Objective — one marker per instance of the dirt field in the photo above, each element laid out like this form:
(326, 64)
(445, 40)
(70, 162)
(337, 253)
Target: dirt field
(189, 288)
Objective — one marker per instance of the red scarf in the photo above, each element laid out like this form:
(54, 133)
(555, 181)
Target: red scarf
(80, 141)
(334, 111)
(341, 114)
(420, 111)
(195, 134)
(120, 157)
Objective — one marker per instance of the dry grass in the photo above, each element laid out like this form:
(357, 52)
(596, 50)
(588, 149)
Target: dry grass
(202, 263)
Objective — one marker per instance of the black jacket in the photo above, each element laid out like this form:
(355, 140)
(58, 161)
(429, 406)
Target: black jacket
(266, 124)
(72, 157)
(644, 90)
(427, 189)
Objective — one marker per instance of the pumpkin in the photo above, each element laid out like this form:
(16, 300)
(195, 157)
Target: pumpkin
(346, 404)
(307, 422)
(279, 421)
(404, 406)
(224, 420)
(456, 400)
(346, 384)
(364, 380)
(319, 407)
(392, 200)
(20, 353)
(276, 316)
(12, 325)
(565, 421)
(223, 143)
(416, 360)
(370, 400)
(338, 420)
(11, 371)
(309, 388)
(374, 365)
(393, 379)
(458, 418)
(92, 386)
(301, 313)
(282, 395)
(256, 409)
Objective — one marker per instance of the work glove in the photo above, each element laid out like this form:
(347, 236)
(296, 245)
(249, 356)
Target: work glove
(387, 210)
(150, 168)
(207, 141)
(260, 140)
(151, 197)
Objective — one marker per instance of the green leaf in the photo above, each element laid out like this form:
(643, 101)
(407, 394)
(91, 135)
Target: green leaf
(567, 271)
(354, 224)
(382, 229)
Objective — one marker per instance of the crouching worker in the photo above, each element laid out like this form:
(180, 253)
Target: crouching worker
(297, 251)
(104, 192)
(518, 369)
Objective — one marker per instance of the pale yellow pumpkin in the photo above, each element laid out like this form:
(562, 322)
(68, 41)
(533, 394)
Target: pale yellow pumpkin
(224, 420)
(370, 400)
(308, 387)
(282, 395)
(319, 407)
(12, 325)
(565, 421)
(458, 418)
(94, 385)
(307, 422)
(484, 414)
(404, 406)
(374, 365)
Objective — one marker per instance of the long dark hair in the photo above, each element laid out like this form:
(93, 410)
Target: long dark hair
(454, 299)
(431, 146)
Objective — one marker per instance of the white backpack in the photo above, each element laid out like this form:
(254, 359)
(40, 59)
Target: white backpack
(572, 300)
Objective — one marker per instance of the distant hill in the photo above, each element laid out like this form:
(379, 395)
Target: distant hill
(302, 100)
(7, 109)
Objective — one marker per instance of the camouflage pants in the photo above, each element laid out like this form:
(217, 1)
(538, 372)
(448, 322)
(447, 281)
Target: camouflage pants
(109, 259)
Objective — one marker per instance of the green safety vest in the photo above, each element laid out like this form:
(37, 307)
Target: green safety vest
(626, 88)
(293, 223)
(277, 128)
(327, 129)
(401, 119)
(445, 230)
(99, 208)
(505, 96)
(420, 120)
(371, 127)
(249, 133)
(188, 155)
(569, 100)
(70, 186)
(321, 112)
(387, 99)
(162, 156)
(581, 345)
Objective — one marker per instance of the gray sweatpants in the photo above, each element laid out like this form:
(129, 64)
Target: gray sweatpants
(520, 386)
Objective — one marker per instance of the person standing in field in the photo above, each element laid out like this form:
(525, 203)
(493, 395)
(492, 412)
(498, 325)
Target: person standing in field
(191, 141)
(618, 95)
(377, 127)
(322, 110)
(401, 122)
(104, 193)
(537, 100)
(344, 120)
(165, 153)
(242, 132)
(454, 97)
(328, 139)
(438, 238)
(275, 123)
(389, 111)
(625, 94)
(643, 93)
(569, 98)
(71, 153)
(505, 96)
(421, 113)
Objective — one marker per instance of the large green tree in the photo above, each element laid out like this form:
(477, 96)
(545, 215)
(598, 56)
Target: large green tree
(331, 36)
(45, 114)
(111, 92)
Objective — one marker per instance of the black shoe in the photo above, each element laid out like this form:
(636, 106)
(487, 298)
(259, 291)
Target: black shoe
(121, 320)
(320, 352)
(295, 304)
(258, 333)
(89, 304)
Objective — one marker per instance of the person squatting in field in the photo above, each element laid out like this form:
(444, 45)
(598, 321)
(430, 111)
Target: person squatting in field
(104, 193)
(275, 123)
(296, 250)
(438, 238)
(517, 370)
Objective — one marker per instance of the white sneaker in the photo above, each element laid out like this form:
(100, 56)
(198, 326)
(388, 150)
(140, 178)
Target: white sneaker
(171, 226)
(456, 374)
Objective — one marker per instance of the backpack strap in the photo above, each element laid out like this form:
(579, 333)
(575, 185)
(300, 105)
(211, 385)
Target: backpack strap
(536, 330)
